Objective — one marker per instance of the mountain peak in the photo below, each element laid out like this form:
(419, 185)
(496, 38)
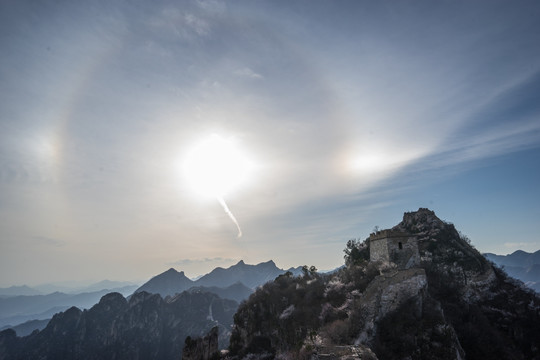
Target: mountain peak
(520, 252)
(173, 272)
(169, 282)
(251, 276)
(419, 221)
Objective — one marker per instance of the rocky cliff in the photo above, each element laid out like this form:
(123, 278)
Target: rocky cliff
(202, 348)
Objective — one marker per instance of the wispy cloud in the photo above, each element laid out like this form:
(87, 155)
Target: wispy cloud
(507, 122)
(185, 24)
(213, 6)
(249, 73)
(526, 246)
(183, 262)
(47, 241)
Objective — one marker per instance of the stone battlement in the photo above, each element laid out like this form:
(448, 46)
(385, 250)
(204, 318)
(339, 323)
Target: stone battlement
(386, 234)
(394, 246)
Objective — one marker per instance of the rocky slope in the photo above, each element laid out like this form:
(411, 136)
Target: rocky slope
(453, 304)
(145, 327)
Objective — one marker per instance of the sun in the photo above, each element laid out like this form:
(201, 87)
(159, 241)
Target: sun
(216, 166)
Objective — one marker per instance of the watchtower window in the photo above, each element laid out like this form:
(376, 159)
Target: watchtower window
(400, 245)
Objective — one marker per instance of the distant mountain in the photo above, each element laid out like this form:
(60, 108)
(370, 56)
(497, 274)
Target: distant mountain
(518, 258)
(219, 281)
(521, 265)
(110, 285)
(66, 288)
(75, 288)
(20, 307)
(15, 320)
(28, 327)
(18, 290)
(168, 283)
(237, 292)
(250, 275)
(145, 327)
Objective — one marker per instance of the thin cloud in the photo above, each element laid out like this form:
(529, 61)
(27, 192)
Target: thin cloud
(249, 73)
(47, 241)
(185, 25)
(526, 246)
(201, 261)
(212, 6)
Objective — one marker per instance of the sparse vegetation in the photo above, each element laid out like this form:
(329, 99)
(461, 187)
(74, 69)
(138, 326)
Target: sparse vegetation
(356, 252)
(280, 315)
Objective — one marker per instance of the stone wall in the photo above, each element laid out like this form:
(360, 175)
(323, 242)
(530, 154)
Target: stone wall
(378, 250)
(403, 251)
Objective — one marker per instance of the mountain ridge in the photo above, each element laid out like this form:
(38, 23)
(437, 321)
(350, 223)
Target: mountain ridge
(145, 327)
(171, 281)
(521, 265)
(19, 290)
(517, 258)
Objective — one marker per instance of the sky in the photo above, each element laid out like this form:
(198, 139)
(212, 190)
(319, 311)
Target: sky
(337, 116)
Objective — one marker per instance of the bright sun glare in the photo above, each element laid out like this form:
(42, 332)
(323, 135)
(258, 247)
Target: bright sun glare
(216, 166)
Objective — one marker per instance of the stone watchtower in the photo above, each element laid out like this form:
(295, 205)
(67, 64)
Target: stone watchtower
(394, 246)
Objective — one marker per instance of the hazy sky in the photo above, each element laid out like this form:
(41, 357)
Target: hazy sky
(348, 112)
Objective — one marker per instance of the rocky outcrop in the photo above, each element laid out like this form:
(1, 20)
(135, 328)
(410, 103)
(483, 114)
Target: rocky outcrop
(386, 293)
(204, 348)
